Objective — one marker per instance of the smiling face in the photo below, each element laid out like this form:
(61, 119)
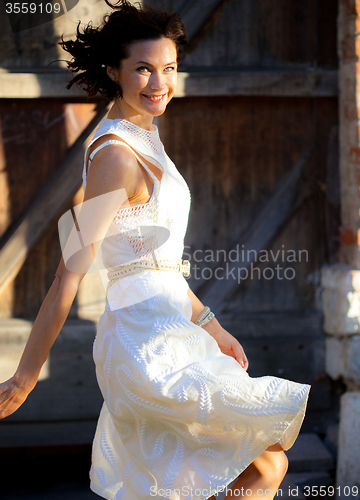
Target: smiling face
(148, 80)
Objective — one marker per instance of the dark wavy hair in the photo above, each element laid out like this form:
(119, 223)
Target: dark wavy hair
(106, 45)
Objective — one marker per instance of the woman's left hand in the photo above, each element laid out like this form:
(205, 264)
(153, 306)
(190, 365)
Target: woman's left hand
(227, 343)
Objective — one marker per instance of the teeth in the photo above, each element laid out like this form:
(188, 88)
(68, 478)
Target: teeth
(155, 98)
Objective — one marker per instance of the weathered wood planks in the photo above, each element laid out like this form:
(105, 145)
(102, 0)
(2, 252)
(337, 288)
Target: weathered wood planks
(61, 187)
(301, 82)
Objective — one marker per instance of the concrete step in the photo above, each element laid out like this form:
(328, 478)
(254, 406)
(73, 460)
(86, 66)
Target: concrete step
(289, 490)
(318, 479)
(70, 491)
(309, 454)
(310, 464)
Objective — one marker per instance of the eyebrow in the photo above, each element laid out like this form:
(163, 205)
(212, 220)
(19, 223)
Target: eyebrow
(144, 62)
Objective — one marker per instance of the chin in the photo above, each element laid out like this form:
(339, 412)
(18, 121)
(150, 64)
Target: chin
(157, 112)
(160, 112)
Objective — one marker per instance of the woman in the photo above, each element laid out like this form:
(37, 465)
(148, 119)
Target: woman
(181, 417)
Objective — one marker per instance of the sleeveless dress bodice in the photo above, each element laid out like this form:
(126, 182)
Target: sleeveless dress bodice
(152, 230)
(180, 419)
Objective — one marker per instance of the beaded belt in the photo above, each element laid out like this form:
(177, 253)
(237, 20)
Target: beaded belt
(175, 265)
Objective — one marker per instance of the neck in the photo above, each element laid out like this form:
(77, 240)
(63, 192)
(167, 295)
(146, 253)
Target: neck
(118, 111)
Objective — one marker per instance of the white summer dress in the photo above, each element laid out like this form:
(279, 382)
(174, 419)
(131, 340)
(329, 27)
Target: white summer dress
(180, 419)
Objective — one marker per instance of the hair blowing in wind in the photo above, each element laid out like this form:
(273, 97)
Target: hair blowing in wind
(95, 48)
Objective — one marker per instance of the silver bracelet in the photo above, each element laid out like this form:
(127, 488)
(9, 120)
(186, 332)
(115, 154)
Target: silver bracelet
(203, 315)
(208, 318)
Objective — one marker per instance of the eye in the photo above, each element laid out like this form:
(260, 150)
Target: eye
(142, 68)
(170, 67)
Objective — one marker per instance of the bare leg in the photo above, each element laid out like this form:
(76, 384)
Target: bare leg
(266, 472)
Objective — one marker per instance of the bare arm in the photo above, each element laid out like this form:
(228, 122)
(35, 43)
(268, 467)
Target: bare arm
(112, 169)
(228, 344)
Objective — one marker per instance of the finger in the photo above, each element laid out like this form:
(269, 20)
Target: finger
(240, 355)
(241, 360)
(246, 362)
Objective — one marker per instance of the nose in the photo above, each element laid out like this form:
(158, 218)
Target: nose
(157, 81)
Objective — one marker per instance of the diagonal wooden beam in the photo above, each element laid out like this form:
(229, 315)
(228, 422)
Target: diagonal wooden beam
(276, 211)
(39, 215)
(196, 14)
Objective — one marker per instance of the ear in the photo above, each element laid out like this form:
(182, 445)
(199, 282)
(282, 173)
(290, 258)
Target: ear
(112, 73)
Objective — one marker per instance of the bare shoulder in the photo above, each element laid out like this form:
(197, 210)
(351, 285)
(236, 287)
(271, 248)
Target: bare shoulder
(101, 140)
(113, 167)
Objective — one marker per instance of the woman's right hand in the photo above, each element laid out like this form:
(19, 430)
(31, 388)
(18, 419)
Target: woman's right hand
(12, 396)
